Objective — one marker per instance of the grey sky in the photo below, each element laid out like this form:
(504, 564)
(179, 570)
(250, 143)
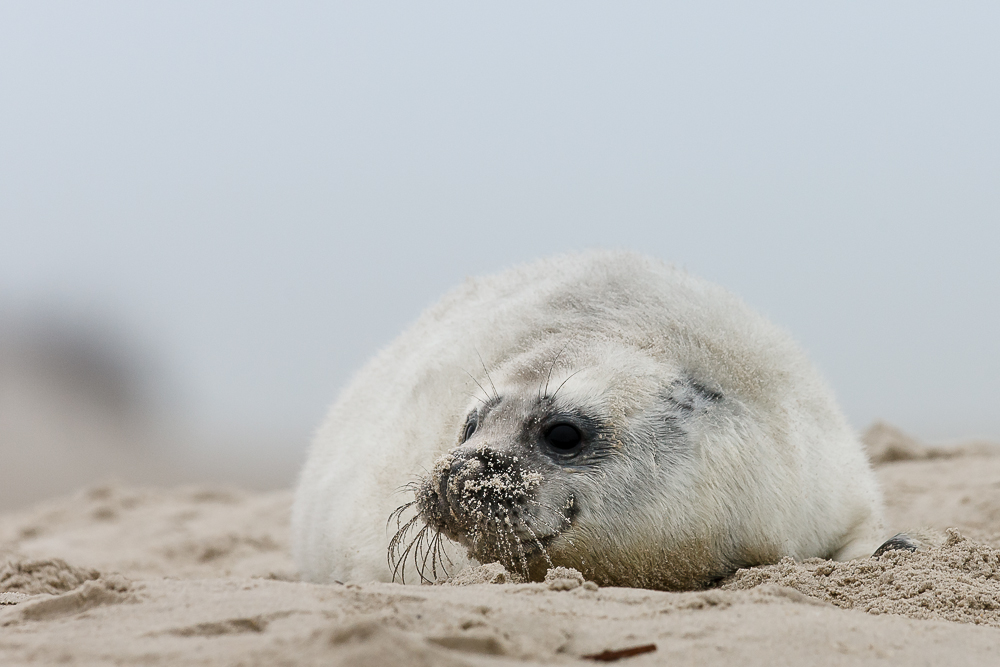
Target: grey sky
(266, 193)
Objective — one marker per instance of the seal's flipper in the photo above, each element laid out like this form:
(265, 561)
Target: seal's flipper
(897, 542)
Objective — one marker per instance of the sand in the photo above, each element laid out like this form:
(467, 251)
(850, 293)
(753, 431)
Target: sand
(203, 576)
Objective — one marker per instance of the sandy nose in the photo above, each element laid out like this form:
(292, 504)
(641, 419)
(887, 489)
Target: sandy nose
(462, 469)
(447, 480)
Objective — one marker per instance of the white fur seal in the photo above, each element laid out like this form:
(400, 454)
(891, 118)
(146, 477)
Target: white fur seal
(601, 411)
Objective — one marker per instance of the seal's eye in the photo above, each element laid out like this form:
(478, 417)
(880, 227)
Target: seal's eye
(470, 427)
(563, 437)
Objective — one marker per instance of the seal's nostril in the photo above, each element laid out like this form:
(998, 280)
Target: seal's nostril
(458, 469)
(463, 465)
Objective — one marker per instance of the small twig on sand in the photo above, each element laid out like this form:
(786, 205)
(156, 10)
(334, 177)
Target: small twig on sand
(611, 656)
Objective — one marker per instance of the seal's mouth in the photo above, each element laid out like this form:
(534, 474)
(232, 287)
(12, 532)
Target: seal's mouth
(489, 502)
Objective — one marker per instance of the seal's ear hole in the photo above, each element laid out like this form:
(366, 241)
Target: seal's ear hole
(564, 437)
(692, 396)
(470, 426)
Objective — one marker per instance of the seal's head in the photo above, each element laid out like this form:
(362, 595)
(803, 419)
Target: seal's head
(504, 492)
(598, 473)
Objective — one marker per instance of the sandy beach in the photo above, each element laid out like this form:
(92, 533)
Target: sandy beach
(202, 576)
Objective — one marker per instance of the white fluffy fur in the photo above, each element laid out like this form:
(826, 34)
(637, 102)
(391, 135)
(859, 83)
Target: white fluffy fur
(775, 467)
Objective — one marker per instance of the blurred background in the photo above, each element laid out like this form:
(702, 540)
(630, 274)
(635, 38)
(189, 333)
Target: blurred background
(212, 213)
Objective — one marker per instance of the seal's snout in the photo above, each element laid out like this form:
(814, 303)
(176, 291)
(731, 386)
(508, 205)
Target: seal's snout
(433, 501)
(464, 465)
(452, 479)
(471, 487)
(489, 501)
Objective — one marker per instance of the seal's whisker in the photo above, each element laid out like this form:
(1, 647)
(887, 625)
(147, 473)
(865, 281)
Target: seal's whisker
(413, 485)
(419, 549)
(523, 559)
(517, 541)
(441, 555)
(568, 378)
(476, 397)
(543, 521)
(552, 366)
(399, 564)
(397, 513)
(541, 547)
(417, 545)
(399, 568)
(401, 532)
(505, 552)
(473, 377)
(435, 546)
(508, 551)
(397, 557)
(428, 551)
(426, 540)
(549, 507)
(496, 395)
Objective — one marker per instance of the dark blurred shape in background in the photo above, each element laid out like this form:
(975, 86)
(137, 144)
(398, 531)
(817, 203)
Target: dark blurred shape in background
(81, 403)
(47, 359)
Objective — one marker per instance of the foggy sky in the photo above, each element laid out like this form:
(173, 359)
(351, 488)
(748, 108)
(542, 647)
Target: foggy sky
(264, 194)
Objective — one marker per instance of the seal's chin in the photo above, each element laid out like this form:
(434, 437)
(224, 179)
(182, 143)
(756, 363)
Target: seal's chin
(488, 502)
(513, 541)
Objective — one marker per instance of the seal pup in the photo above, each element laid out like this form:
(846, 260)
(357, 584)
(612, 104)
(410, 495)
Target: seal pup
(601, 411)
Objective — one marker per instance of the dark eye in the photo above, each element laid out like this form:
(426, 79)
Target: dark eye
(563, 437)
(470, 426)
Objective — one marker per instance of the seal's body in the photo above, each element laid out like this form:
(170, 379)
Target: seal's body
(600, 411)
